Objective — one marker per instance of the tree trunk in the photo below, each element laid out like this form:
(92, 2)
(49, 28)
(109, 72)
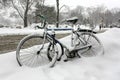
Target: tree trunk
(57, 24)
(26, 14)
(25, 21)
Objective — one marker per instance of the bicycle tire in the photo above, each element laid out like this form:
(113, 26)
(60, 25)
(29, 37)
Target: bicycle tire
(87, 30)
(96, 48)
(60, 51)
(26, 53)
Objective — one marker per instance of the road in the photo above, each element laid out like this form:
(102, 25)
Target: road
(9, 43)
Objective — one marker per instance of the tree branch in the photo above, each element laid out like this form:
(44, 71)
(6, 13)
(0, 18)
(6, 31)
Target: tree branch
(31, 3)
(17, 10)
(22, 6)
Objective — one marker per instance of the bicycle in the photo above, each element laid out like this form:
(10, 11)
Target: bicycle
(47, 49)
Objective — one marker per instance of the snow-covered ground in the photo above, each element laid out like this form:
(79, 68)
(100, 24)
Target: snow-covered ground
(25, 31)
(104, 67)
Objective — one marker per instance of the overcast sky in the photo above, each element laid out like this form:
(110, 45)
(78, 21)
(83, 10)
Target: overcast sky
(86, 3)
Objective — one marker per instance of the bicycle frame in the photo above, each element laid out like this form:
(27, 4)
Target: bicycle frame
(51, 38)
(56, 49)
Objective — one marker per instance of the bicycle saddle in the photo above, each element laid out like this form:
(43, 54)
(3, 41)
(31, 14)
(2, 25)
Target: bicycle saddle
(72, 20)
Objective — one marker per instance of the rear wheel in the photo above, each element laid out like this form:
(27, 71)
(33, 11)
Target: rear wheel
(89, 38)
(31, 52)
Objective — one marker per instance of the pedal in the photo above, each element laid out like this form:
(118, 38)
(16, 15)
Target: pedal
(65, 60)
(68, 59)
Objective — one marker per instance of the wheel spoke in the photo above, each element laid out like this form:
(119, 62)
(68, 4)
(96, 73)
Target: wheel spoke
(27, 51)
(96, 47)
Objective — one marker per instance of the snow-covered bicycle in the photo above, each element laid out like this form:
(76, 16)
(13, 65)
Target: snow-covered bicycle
(44, 49)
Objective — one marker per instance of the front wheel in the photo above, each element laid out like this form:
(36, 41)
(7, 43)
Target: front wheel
(57, 47)
(31, 52)
(96, 46)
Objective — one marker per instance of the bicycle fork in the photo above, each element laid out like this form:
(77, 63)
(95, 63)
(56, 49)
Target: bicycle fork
(38, 52)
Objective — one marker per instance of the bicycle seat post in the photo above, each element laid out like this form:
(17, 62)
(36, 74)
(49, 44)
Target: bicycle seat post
(53, 33)
(72, 38)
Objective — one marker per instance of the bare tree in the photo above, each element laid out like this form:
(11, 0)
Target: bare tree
(108, 18)
(78, 12)
(116, 14)
(64, 12)
(48, 11)
(5, 3)
(96, 14)
(23, 9)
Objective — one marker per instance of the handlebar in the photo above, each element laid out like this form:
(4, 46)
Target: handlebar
(44, 21)
(41, 16)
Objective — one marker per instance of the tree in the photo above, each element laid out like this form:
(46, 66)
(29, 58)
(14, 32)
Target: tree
(108, 18)
(96, 14)
(116, 14)
(47, 11)
(78, 12)
(5, 3)
(64, 12)
(24, 8)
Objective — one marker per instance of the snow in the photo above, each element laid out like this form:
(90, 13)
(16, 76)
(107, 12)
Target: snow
(24, 31)
(30, 30)
(104, 67)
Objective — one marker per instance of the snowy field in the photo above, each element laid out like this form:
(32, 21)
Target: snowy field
(104, 67)
(25, 31)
